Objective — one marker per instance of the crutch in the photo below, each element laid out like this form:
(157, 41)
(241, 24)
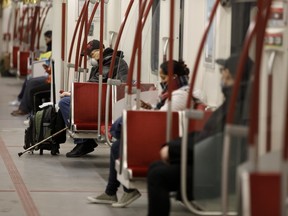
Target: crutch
(37, 144)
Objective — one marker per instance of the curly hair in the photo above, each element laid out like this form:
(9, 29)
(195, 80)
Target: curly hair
(179, 68)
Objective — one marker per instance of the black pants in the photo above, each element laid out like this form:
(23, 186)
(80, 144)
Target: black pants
(33, 85)
(162, 179)
(113, 183)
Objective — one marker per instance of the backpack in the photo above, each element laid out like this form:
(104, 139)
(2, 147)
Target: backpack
(42, 125)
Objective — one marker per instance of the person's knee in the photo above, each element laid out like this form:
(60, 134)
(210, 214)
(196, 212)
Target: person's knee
(64, 103)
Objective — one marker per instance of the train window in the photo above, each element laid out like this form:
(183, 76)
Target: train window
(155, 36)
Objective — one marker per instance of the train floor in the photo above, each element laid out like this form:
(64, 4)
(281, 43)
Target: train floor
(49, 185)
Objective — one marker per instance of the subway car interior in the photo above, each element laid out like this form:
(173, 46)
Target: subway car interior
(144, 107)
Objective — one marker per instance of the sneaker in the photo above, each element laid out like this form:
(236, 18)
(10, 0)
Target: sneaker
(127, 199)
(14, 103)
(26, 122)
(103, 199)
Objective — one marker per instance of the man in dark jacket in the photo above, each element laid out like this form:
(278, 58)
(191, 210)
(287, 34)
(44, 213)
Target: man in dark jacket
(164, 175)
(120, 70)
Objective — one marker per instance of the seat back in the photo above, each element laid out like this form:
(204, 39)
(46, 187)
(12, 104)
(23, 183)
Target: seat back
(15, 56)
(84, 111)
(144, 135)
(120, 89)
(37, 68)
(198, 124)
(23, 62)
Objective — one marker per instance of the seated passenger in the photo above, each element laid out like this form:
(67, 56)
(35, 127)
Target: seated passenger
(179, 99)
(164, 176)
(33, 86)
(17, 102)
(85, 146)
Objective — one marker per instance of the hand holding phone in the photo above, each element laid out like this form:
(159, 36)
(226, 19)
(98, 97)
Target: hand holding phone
(145, 105)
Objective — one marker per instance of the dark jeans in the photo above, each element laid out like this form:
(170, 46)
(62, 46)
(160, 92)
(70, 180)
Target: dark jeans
(20, 95)
(64, 106)
(162, 179)
(113, 183)
(40, 83)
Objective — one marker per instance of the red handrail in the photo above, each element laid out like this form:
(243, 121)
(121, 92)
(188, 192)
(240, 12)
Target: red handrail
(196, 64)
(21, 27)
(139, 53)
(77, 55)
(63, 32)
(15, 23)
(262, 19)
(42, 24)
(171, 49)
(119, 37)
(84, 44)
(101, 37)
(33, 26)
(139, 28)
(75, 32)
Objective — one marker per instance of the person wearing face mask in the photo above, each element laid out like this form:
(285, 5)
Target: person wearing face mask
(178, 102)
(164, 176)
(120, 70)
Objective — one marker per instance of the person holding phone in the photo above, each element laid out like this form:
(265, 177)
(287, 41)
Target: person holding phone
(179, 98)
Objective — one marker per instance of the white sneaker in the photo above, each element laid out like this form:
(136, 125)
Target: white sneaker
(127, 199)
(14, 103)
(103, 199)
(26, 122)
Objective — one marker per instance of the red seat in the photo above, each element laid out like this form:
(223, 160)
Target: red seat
(198, 124)
(85, 106)
(120, 93)
(15, 56)
(23, 64)
(146, 134)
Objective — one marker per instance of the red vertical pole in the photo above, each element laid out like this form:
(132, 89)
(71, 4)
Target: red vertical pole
(63, 35)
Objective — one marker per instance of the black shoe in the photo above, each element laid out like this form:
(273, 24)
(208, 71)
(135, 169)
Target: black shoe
(88, 146)
(90, 143)
(75, 152)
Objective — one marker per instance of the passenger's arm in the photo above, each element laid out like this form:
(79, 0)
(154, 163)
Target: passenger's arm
(65, 94)
(178, 100)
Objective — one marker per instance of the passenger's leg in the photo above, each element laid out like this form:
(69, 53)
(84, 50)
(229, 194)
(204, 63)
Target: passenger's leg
(113, 183)
(20, 96)
(26, 100)
(64, 106)
(83, 146)
(109, 196)
(162, 179)
(37, 100)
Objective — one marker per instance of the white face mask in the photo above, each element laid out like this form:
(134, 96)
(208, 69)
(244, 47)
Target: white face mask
(93, 62)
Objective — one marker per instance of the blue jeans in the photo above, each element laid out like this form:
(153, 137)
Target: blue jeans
(64, 106)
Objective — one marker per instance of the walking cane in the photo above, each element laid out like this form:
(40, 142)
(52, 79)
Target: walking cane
(37, 144)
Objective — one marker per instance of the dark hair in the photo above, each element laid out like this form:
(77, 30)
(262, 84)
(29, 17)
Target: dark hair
(48, 34)
(179, 68)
